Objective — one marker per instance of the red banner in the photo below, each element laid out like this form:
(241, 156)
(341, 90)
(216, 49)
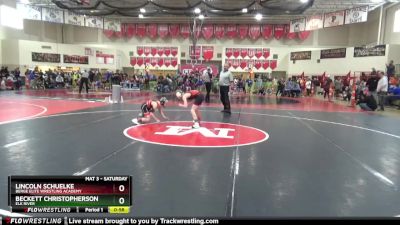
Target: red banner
(153, 51)
(266, 53)
(130, 30)
(303, 35)
(133, 61)
(207, 31)
(141, 30)
(174, 30)
(265, 64)
(174, 62)
(243, 63)
(154, 61)
(267, 31)
(289, 35)
(167, 51)
(140, 61)
(120, 34)
(160, 51)
(160, 62)
(167, 62)
(163, 30)
(231, 31)
(230, 62)
(243, 52)
(228, 52)
(108, 33)
(254, 32)
(219, 31)
(174, 51)
(147, 61)
(184, 30)
(279, 31)
(152, 30)
(139, 50)
(259, 52)
(194, 53)
(257, 64)
(236, 52)
(147, 51)
(208, 53)
(273, 64)
(243, 31)
(235, 63)
(251, 52)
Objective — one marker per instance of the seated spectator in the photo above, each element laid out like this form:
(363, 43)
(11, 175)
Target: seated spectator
(346, 93)
(367, 102)
(59, 81)
(393, 95)
(296, 90)
(288, 88)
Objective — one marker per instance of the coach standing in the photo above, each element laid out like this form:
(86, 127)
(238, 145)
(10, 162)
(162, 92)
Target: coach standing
(84, 79)
(225, 81)
(207, 78)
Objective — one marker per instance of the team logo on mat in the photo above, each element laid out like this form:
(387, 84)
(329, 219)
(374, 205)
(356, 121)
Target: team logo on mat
(209, 135)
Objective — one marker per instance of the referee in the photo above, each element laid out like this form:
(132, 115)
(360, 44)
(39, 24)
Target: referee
(225, 81)
(84, 79)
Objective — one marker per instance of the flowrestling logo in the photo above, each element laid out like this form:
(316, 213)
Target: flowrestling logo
(209, 135)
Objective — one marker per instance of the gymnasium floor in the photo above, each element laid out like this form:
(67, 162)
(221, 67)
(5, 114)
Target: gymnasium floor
(319, 159)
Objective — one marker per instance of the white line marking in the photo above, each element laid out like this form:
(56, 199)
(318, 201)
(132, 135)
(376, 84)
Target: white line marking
(27, 117)
(80, 173)
(375, 173)
(10, 214)
(16, 143)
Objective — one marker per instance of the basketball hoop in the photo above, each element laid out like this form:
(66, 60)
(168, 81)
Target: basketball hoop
(195, 56)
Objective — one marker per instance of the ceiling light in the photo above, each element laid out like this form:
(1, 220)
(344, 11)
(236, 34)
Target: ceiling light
(25, 1)
(142, 10)
(258, 17)
(197, 11)
(376, 1)
(303, 1)
(141, 16)
(244, 10)
(201, 16)
(91, 11)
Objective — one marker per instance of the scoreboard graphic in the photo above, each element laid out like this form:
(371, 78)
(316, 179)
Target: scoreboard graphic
(70, 194)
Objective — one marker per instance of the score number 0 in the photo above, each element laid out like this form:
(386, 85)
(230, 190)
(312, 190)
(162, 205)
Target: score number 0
(121, 200)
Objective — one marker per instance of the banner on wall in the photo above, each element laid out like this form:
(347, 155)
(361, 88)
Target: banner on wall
(173, 30)
(30, 12)
(356, 15)
(243, 30)
(334, 19)
(314, 22)
(254, 32)
(113, 25)
(207, 31)
(76, 59)
(333, 53)
(231, 31)
(74, 19)
(52, 15)
(297, 25)
(279, 31)
(305, 55)
(141, 29)
(184, 30)
(163, 30)
(93, 21)
(152, 30)
(267, 30)
(194, 53)
(102, 58)
(219, 31)
(379, 50)
(46, 57)
(208, 52)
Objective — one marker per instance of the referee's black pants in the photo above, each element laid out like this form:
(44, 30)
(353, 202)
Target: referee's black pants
(86, 81)
(224, 95)
(208, 89)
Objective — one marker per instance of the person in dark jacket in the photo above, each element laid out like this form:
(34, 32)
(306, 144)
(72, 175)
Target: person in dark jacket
(367, 102)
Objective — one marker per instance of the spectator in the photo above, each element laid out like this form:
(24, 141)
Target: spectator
(59, 81)
(327, 87)
(338, 86)
(382, 89)
(280, 88)
(308, 86)
(390, 69)
(367, 101)
(372, 84)
(207, 78)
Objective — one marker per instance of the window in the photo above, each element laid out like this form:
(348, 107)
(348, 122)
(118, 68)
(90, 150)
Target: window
(396, 24)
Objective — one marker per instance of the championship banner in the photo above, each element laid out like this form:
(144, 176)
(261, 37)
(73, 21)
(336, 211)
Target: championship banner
(266, 53)
(141, 30)
(76, 59)
(95, 22)
(289, 35)
(258, 53)
(265, 64)
(314, 22)
(267, 31)
(356, 15)
(160, 51)
(152, 30)
(52, 15)
(208, 52)
(30, 12)
(333, 53)
(303, 35)
(184, 30)
(243, 52)
(306, 55)
(174, 62)
(140, 61)
(257, 64)
(236, 52)
(130, 30)
(243, 63)
(334, 19)
(254, 32)
(228, 52)
(279, 31)
(173, 30)
(297, 25)
(230, 62)
(207, 31)
(174, 51)
(140, 50)
(153, 51)
(167, 51)
(235, 63)
(113, 25)
(160, 62)
(133, 61)
(154, 62)
(167, 62)
(379, 50)
(243, 30)
(147, 61)
(45, 57)
(251, 52)
(74, 19)
(147, 51)
(163, 30)
(231, 31)
(273, 64)
(219, 31)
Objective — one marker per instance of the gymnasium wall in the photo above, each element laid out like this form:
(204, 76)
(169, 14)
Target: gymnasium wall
(389, 35)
